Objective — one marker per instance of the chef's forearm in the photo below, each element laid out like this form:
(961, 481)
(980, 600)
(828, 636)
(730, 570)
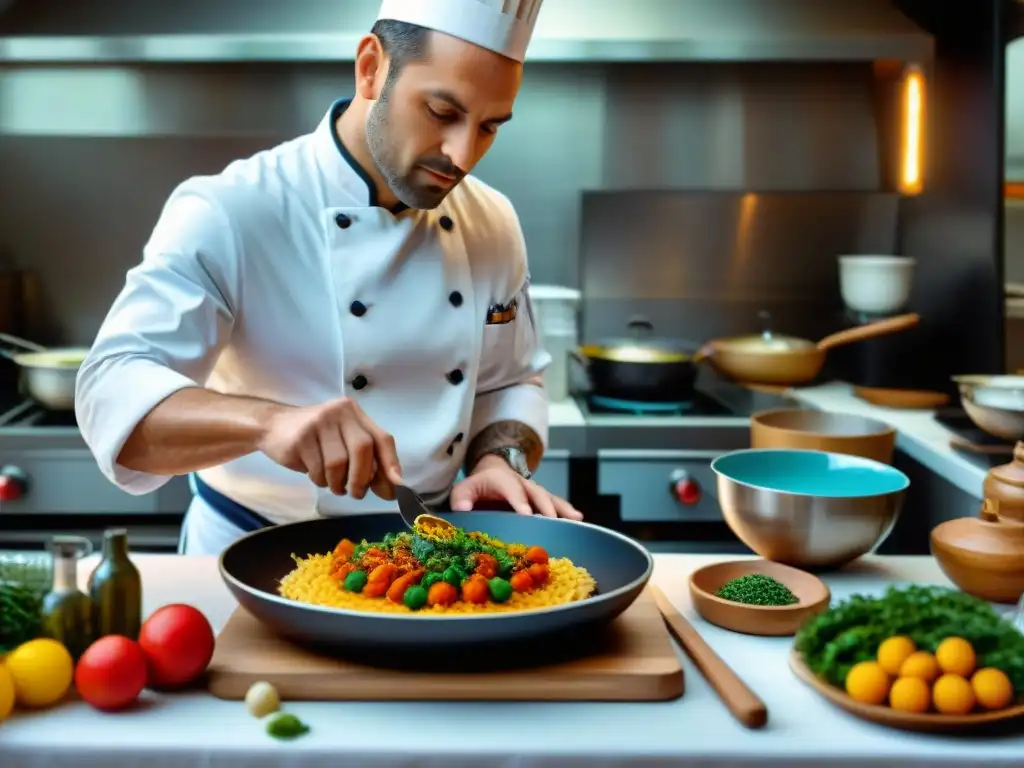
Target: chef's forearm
(503, 434)
(195, 429)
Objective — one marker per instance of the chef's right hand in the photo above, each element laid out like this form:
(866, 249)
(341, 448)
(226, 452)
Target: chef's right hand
(337, 445)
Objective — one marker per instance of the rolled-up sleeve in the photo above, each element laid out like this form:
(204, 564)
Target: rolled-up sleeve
(164, 331)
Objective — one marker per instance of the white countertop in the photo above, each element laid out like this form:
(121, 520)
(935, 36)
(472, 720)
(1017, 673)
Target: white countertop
(197, 729)
(919, 434)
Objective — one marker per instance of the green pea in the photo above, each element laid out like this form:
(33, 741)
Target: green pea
(500, 589)
(355, 581)
(415, 597)
(431, 579)
(453, 576)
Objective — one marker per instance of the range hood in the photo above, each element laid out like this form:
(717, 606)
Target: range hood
(106, 31)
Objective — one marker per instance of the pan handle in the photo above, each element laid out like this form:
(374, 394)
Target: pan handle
(21, 344)
(869, 331)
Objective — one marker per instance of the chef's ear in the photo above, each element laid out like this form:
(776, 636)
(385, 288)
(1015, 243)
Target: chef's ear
(371, 67)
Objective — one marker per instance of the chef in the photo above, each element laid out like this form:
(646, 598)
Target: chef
(343, 312)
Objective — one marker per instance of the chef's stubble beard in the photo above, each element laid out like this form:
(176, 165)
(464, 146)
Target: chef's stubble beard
(380, 143)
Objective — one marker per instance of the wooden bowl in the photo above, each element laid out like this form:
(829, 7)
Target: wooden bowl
(907, 721)
(822, 431)
(984, 558)
(774, 621)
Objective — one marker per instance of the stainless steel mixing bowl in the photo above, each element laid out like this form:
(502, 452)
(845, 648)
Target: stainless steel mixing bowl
(809, 509)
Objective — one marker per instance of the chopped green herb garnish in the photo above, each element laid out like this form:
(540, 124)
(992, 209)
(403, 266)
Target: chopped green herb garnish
(757, 589)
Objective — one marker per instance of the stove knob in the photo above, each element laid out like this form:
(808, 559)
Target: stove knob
(686, 490)
(13, 483)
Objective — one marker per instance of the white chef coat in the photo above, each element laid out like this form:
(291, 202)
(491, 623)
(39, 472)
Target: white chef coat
(280, 278)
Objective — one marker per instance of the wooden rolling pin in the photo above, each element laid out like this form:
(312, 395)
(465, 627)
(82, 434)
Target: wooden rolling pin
(740, 700)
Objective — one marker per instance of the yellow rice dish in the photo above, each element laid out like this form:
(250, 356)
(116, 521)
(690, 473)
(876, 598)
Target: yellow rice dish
(437, 569)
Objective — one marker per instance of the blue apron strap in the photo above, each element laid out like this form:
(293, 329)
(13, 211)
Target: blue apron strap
(241, 517)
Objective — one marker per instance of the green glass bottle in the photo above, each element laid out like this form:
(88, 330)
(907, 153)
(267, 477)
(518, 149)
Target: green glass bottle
(66, 610)
(115, 587)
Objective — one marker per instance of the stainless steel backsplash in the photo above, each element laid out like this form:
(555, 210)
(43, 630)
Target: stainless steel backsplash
(700, 265)
(88, 155)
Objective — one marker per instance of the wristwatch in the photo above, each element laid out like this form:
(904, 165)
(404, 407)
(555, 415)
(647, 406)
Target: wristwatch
(515, 457)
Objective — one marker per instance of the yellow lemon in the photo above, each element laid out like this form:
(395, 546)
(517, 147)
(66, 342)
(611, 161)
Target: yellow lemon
(992, 688)
(921, 665)
(867, 683)
(42, 671)
(6, 692)
(956, 656)
(953, 695)
(893, 652)
(910, 694)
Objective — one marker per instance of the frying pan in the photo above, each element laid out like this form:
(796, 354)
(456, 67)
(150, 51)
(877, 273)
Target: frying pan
(47, 375)
(641, 368)
(772, 359)
(253, 565)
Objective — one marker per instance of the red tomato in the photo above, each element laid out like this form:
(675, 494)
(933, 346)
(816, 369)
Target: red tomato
(111, 673)
(178, 643)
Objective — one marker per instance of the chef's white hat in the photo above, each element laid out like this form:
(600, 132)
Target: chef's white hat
(502, 26)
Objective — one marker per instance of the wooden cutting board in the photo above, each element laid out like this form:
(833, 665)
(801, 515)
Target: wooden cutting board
(634, 660)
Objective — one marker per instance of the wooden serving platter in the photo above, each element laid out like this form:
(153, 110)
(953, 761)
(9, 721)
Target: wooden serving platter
(633, 660)
(906, 721)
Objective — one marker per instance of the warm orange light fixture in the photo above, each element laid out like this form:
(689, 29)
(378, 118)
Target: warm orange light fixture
(912, 96)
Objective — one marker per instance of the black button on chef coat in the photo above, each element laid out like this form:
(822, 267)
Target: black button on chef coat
(359, 382)
(343, 221)
(455, 299)
(451, 446)
(357, 308)
(455, 377)
(446, 224)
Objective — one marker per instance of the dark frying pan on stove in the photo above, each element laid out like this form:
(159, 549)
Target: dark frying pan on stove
(641, 368)
(253, 565)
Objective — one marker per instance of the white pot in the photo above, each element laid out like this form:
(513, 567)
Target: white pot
(875, 284)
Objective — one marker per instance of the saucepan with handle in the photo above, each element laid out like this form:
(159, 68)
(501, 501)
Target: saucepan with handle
(769, 358)
(47, 374)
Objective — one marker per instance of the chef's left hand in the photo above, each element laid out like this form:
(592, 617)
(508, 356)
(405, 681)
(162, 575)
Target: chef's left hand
(493, 480)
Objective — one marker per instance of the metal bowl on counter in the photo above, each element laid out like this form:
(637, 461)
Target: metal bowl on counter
(822, 431)
(994, 403)
(809, 509)
(253, 566)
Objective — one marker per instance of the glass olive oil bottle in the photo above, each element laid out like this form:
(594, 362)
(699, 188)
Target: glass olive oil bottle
(116, 589)
(66, 610)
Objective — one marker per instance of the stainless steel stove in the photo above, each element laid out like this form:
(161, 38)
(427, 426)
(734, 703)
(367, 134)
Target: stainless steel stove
(50, 483)
(646, 468)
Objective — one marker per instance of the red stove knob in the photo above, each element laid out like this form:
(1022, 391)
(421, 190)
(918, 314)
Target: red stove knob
(686, 490)
(13, 483)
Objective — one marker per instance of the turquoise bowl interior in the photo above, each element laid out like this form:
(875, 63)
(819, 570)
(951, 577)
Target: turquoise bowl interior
(811, 473)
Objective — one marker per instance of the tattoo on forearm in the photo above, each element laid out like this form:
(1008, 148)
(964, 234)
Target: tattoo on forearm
(506, 433)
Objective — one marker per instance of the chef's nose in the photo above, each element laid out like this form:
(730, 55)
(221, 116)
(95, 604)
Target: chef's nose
(460, 149)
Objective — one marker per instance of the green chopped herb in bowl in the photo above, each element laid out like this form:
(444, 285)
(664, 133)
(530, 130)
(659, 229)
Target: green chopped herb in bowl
(757, 589)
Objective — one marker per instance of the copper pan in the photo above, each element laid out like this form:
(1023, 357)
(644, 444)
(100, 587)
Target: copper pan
(771, 359)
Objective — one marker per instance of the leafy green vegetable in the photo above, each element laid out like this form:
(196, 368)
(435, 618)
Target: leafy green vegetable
(852, 630)
(22, 587)
(757, 589)
(286, 726)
